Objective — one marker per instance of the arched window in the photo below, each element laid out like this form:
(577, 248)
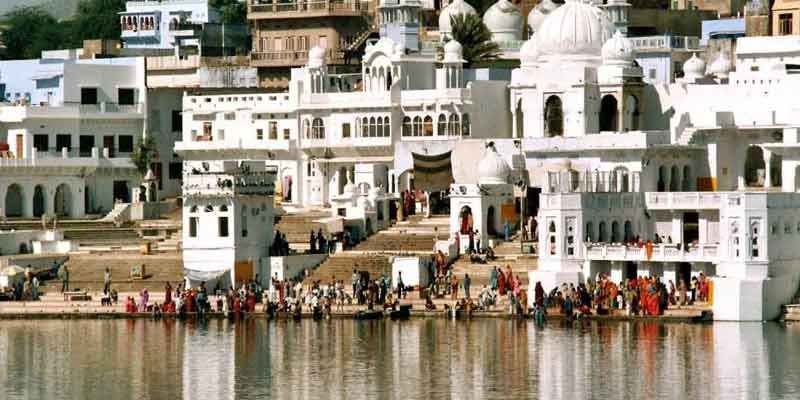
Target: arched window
(441, 129)
(553, 117)
(602, 235)
(223, 208)
(193, 209)
(306, 129)
(380, 127)
(755, 233)
(318, 129)
(406, 126)
(628, 231)
(428, 126)
(687, 179)
(373, 131)
(453, 128)
(209, 208)
(417, 126)
(608, 114)
(387, 128)
(357, 132)
(674, 179)
(465, 125)
(614, 232)
(662, 179)
(631, 122)
(754, 167)
(589, 232)
(364, 127)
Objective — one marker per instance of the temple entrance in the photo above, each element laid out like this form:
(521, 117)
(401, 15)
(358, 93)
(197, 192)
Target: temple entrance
(490, 222)
(13, 203)
(465, 220)
(691, 227)
(62, 201)
(38, 201)
(630, 270)
(608, 114)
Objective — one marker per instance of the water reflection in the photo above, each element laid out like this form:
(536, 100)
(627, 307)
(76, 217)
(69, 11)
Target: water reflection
(439, 359)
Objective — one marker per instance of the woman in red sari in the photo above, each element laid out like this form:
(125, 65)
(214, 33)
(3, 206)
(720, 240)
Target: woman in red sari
(501, 282)
(237, 305)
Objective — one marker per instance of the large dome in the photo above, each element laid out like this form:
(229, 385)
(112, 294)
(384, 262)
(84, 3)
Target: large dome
(617, 50)
(493, 169)
(455, 8)
(504, 21)
(538, 14)
(574, 30)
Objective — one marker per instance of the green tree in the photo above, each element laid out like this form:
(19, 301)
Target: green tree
(29, 30)
(231, 11)
(143, 154)
(481, 5)
(475, 39)
(96, 19)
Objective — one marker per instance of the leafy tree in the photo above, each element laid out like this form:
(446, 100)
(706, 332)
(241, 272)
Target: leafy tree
(481, 5)
(475, 39)
(97, 19)
(143, 154)
(231, 11)
(29, 30)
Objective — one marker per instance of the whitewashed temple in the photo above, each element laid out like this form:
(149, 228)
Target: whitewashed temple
(706, 166)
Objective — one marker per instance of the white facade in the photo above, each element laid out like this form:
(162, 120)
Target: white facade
(164, 24)
(70, 126)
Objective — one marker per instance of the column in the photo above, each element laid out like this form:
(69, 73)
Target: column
(27, 201)
(515, 134)
(677, 227)
(768, 172)
(49, 200)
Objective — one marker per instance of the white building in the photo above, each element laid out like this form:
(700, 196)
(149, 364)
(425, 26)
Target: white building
(697, 162)
(69, 127)
(165, 24)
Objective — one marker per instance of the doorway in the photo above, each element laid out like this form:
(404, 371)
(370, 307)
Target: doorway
(630, 270)
(691, 229)
(684, 274)
(121, 191)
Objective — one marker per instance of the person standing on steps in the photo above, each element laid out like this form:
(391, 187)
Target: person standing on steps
(467, 282)
(106, 281)
(401, 293)
(64, 278)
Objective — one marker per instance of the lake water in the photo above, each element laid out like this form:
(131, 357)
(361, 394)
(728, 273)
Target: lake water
(417, 359)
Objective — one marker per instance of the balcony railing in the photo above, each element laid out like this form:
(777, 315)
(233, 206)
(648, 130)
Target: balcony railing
(221, 184)
(683, 200)
(660, 253)
(292, 57)
(344, 6)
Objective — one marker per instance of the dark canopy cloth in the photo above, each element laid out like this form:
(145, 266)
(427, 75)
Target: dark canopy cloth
(432, 172)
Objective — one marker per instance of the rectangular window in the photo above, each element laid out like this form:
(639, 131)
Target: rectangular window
(259, 134)
(286, 134)
(229, 116)
(63, 141)
(346, 130)
(126, 143)
(40, 142)
(175, 170)
(652, 73)
(126, 96)
(88, 95)
(785, 24)
(220, 134)
(223, 226)
(278, 44)
(273, 130)
(177, 121)
(86, 143)
(192, 226)
(206, 131)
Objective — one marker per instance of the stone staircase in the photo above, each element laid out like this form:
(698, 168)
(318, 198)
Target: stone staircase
(415, 235)
(87, 271)
(340, 266)
(298, 227)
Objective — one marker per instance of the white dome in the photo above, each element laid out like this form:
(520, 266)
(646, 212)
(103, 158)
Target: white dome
(455, 8)
(538, 13)
(694, 68)
(504, 21)
(720, 67)
(618, 49)
(453, 52)
(529, 53)
(316, 57)
(574, 30)
(493, 169)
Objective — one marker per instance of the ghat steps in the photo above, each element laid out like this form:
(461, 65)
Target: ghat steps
(340, 266)
(87, 271)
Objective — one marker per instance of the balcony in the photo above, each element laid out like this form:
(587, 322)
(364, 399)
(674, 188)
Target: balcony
(661, 253)
(683, 201)
(241, 148)
(228, 185)
(185, 29)
(264, 9)
(171, 63)
(291, 58)
(69, 110)
(70, 161)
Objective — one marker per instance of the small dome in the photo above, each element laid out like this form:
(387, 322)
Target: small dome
(538, 13)
(529, 53)
(618, 49)
(576, 29)
(455, 8)
(493, 169)
(694, 68)
(721, 67)
(453, 52)
(504, 21)
(316, 57)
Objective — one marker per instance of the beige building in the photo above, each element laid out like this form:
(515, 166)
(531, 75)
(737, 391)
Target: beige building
(284, 32)
(786, 17)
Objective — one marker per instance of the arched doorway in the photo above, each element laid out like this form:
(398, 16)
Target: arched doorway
(553, 117)
(602, 235)
(13, 201)
(38, 201)
(608, 114)
(490, 222)
(674, 179)
(369, 226)
(776, 170)
(520, 120)
(62, 201)
(631, 113)
(754, 167)
(614, 232)
(622, 178)
(628, 235)
(686, 185)
(465, 220)
(662, 179)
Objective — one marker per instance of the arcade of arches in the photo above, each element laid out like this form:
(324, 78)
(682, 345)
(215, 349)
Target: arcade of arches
(34, 200)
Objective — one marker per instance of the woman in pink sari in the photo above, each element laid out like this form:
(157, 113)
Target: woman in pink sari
(143, 298)
(516, 285)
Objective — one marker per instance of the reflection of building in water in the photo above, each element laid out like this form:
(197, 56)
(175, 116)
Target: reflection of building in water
(209, 362)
